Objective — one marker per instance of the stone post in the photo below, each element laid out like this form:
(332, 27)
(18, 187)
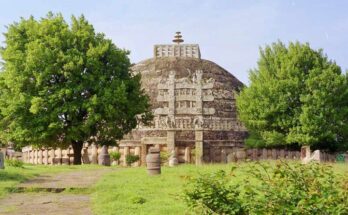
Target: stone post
(104, 157)
(39, 161)
(223, 155)
(274, 154)
(31, 156)
(36, 156)
(59, 156)
(125, 153)
(137, 152)
(94, 156)
(187, 155)
(305, 152)
(143, 154)
(52, 155)
(170, 141)
(85, 157)
(199, 147)
(255, 156)
(45, 161)
(24, 156)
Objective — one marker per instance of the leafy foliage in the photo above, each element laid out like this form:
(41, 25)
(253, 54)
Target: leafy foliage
(164, 157)
(63, 84)
(211, 193)
(296, 96)
(283, 189)
(115, 156)
(14, 163)
(131, 159)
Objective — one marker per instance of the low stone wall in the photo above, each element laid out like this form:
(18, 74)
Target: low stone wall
(90, 154)
(238, 154)
(184, 154)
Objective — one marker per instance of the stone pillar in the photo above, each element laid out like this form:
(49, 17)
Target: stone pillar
(125, 153)
(305, 152)
(143, 154)
(59, 156)
(170, 141)
(36, 156)
(28, 156)
(104, 157)
(187, 155)
(255, 156)
(85, 157)
(274, 154)
(52, 155)
(137, 152)
(94, 156)
(45, 161)
(65, 158)
(199, 146)
(31, 156)
(24, 157)
(223, 155)
(39, 160)
(264, 154)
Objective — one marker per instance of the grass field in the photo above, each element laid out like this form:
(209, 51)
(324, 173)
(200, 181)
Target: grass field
(131, 190)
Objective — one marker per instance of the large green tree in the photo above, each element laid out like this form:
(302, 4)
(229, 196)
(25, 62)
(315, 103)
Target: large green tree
(66, 84)
(296, 96)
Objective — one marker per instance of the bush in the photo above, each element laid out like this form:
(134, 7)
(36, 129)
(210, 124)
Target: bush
(283, 189)
(131, 159)
(14, 163)
(212, 193)
(164, 157)
(115, 156)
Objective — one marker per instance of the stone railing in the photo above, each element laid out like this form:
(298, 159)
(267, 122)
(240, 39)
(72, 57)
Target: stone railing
(59, 156)
(236, 154)
(183, 154)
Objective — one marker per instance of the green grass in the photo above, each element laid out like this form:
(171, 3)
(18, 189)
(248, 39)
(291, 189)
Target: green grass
(12, 176)
(132, 191)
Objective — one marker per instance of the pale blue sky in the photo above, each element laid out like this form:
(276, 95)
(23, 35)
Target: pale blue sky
(228, 32)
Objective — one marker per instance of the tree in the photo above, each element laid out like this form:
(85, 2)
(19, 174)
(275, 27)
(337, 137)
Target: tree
(297, 96)
(65, 84)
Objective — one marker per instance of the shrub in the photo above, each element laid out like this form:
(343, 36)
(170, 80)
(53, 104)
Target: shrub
(164, 157)
(131, 159)
(115, 156)
(14, 163)
(281, 189)
(212, 193)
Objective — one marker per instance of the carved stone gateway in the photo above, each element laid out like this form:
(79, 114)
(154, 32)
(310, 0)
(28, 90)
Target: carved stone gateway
(193, 101)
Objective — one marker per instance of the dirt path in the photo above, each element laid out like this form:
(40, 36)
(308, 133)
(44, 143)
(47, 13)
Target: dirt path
(52, 203)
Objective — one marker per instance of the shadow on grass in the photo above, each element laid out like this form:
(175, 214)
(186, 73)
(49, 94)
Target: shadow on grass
(8, 176)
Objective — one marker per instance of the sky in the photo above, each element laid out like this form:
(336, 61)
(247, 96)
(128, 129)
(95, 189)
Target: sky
(228, 32)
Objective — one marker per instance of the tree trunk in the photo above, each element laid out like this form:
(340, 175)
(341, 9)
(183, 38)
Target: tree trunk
(77, 147)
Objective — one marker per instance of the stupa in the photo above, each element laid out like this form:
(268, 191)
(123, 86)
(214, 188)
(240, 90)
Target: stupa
(193, 102)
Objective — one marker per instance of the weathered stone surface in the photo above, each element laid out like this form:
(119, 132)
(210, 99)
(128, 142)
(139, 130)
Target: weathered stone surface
(85, 158)
(173, 161)
(193, 101)
(104, 157)
(153, 161)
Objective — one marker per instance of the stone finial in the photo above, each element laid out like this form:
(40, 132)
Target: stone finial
(178, 38)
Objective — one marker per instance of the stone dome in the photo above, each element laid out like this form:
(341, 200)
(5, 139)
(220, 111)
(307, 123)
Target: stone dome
(193, 101)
